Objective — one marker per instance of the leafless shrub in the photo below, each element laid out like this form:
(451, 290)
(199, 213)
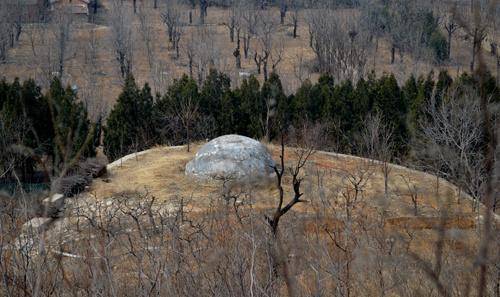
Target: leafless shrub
(339, 45)
(452, 137)
(121, 29)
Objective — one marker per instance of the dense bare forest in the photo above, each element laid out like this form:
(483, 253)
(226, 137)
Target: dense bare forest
(382, 118)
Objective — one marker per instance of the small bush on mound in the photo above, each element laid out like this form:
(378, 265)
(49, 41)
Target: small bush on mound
(72, 185)
(79, 178)
(93, 167)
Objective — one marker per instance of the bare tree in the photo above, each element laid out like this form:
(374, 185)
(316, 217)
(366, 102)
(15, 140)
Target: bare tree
(206, 51)
(339, 45)
(171, 17)
(203, 10)
(5, 30)
(283, 10)
(187, 112)
(452, 138)
(91, 91)
(147, 34)
(295, 15)
(476, 22)
(56, 46)
(263, 52)
(303, 156)
(233, 18)
(377, 144)
(190, 50)
(301, 71)
(121, 30)
(62, 37)
(373, 21)
(451, 25)
(250, 18)
(413, 191)
(405, 28)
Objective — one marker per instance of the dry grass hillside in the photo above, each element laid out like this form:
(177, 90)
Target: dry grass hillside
(145, 227)
(96, 74)
(160, 172)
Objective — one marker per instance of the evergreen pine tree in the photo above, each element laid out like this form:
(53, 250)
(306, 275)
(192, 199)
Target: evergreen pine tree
(276, 104)
(215, 100)
(363, 99)
(252, 107)
(413, 101)
(130, 126)
(442, 85)
(320, 103)
(392, 106)
(4, 88)
(300, 102)
(171, 105)
(73, 132)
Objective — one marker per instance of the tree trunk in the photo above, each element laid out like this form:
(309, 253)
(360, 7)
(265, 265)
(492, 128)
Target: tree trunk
(190, 64)
(188, 139)
(264, 67)
(268, 136)
(11, 38)
(237, 52)
(203, 10)
(257, 63)
(375, 52)
(474, 44)
(246, 45)
(295, 25)
(135, 6)
(155, 4)
(393, 53)
(2, 52)
(231, 33)
(170, 34)
(283, 9)
(190, 17)
(448, 52)
(19, 30)
(498, 69)
(238, 58)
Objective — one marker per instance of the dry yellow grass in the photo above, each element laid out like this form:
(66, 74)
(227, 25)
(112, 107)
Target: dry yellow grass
(382, 237)
(160, 173)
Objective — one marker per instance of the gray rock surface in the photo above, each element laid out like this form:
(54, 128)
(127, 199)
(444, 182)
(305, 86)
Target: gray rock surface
(232, 157)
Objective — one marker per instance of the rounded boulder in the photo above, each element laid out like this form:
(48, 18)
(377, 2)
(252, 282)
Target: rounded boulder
(232, 157)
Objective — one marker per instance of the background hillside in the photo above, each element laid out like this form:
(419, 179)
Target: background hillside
(90, 62)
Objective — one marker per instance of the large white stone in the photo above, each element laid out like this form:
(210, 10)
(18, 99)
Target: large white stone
(56, 201)
(36, 225)
(232, 157)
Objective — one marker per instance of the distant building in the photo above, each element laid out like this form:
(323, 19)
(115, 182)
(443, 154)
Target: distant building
(36, 10)
(77, 7)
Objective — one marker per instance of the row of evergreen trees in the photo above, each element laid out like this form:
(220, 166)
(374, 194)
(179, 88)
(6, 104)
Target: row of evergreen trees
(55, 125)
(51, 128)
(139, 120)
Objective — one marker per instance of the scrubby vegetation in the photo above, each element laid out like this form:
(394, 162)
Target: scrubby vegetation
(414, 211)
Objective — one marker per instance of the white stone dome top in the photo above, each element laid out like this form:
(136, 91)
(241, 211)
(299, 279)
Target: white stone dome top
(232, 157)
